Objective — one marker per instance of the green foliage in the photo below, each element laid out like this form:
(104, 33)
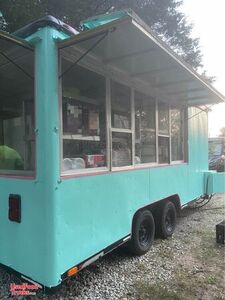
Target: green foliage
(211, 280)
(210, 79)
(162, 16)
(2, 22)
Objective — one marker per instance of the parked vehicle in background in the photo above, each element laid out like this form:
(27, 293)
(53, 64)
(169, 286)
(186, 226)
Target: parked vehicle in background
(217, 154)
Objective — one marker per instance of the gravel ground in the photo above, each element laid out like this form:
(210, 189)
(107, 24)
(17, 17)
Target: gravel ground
(190, 265)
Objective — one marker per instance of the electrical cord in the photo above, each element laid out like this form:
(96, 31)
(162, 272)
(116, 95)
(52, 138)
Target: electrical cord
(201, 201)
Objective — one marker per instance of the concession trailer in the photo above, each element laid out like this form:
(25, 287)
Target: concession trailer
(103, 138)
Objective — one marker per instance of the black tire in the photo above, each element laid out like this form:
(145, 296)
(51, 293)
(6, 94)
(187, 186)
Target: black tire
(143, 233)
(166, 220)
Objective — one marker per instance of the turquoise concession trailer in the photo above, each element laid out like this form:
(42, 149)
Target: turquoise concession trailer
(103, 137)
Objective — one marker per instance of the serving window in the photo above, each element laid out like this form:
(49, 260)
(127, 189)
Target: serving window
(145, 129)
(84, 120)
(121, 149)
(163, 133)
(177, 134)
(130, 129)
(17, 121)
(120, 106)
(121, 125)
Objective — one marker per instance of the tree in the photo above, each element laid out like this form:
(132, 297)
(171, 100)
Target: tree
(162, 16)
(208, 78)
(2, 22)
(222, 132)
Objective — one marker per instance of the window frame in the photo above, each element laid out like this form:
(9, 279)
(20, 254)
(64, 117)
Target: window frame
(109, 77)
(122, 130)
(85, 171)
(148, 164)
(27, 174)
(168, 136)
(184, 135)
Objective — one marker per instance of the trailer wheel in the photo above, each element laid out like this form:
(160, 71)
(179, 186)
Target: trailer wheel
(143, 233)
(166, 220)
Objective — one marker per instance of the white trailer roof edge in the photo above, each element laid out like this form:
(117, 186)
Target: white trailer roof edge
(216, 96)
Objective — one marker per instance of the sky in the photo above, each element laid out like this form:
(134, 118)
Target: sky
(208, 19)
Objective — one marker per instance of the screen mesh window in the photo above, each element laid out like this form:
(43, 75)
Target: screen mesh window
(177, 134)
(121, 149)
(163, 134)
(145, 129)
(163, 117)
(17, 122)
(121, 125)
(84, 119)
(163, 148)
(120, 106)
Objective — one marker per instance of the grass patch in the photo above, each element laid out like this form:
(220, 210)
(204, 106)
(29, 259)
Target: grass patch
(155, 292)
(166, 253)
(202, 232)
(198, 273)
(183, 286)
(211, 280)
(188, 286)
(219, 298)
(206, 250)
(142, 267)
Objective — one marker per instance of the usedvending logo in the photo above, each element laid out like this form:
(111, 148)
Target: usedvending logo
(24, 289)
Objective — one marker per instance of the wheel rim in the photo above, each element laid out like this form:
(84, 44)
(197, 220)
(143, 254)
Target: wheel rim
(169, 221)
(144, 234)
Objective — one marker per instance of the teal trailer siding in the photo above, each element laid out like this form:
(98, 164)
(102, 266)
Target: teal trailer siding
(25, 246)
(67, 220)
(29, 247)
(215, 182)
(96, 211)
